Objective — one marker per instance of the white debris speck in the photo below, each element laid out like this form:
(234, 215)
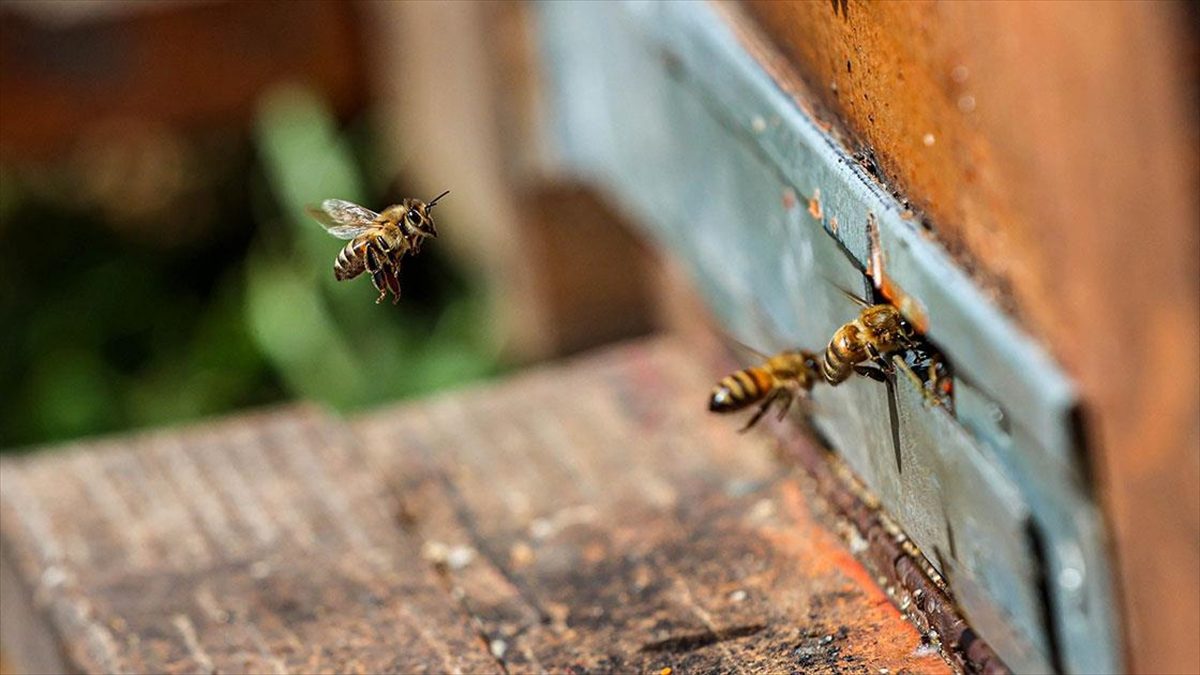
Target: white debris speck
(928, 140)
(923, 650)
(857, 543)
(498, 647)
(758, 124)
(454, 557)
(459, 557)
(762, 510)
(1070, 578)
(260, 569)
(53, 577)
(435, 552)
(541, 528)
(737, 596)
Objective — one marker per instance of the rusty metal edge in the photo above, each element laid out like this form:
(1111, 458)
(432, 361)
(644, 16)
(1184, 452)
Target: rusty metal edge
(901, 570)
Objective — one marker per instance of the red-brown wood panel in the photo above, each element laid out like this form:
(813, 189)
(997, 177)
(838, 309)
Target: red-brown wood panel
(181, 64)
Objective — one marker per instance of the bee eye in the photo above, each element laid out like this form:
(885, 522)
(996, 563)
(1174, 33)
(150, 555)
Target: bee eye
(413, 217)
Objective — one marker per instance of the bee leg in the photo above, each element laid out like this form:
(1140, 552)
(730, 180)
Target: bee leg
(380, 248)
(884, 364)
(371, 259)
(762, 410)
(379, 280)
(393, 283)
(375, 265)
(940, 385)
(873, 372)
(787, 398)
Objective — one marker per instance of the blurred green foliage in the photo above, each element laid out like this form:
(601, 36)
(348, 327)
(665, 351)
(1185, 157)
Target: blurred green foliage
(328, 340)
(105, 326)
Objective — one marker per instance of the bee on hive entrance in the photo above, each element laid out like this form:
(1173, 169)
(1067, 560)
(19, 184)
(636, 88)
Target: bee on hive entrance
(879, 331)
(377, 240)
(782, 378)
(932, 374)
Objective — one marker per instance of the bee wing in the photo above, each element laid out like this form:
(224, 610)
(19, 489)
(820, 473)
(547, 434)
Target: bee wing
(342, 219)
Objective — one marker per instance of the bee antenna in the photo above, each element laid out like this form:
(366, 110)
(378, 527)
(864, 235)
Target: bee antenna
(853, 297)
(433, 203)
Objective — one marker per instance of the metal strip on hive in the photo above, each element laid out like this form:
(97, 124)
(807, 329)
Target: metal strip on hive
(660, 105)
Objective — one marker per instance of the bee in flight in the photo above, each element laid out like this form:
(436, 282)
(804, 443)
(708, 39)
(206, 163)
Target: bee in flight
(377, 240)
(779, 378)
(878, 332)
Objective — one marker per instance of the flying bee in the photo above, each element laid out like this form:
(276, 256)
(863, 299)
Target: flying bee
(377, 240)
(879, 331)
(779, 378)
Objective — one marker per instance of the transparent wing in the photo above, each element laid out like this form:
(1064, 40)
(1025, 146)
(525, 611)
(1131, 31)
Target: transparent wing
(342, 219)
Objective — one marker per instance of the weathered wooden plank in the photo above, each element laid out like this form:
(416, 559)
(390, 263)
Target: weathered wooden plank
(589, 516)
(596, 517)
(260, 544)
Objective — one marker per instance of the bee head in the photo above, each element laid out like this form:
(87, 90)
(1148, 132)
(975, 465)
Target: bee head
(426, 211)
(418, 216)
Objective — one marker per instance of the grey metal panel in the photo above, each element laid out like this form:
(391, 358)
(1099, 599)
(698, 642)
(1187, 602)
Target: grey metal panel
(658, 104)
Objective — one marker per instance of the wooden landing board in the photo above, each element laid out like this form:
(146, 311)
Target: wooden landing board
(589, 516)
(260, 544)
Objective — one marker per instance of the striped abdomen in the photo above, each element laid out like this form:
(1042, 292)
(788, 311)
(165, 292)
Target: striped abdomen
(741, 389)
(351, 260)
(845, 350)
(370, 252)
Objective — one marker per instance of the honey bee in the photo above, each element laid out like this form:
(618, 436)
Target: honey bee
(779, 378)
(377, 240)
(932, 374)
(879, 331)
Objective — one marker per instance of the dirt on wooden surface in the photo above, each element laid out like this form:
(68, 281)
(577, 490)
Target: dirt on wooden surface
(583, 517)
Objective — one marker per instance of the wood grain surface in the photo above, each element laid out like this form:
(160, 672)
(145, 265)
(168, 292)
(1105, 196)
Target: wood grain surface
(1052, 147)
(589, 516)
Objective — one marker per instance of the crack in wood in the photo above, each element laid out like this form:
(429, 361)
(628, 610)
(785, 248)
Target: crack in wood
(467, 519)
(693, 641)
(409, 522)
